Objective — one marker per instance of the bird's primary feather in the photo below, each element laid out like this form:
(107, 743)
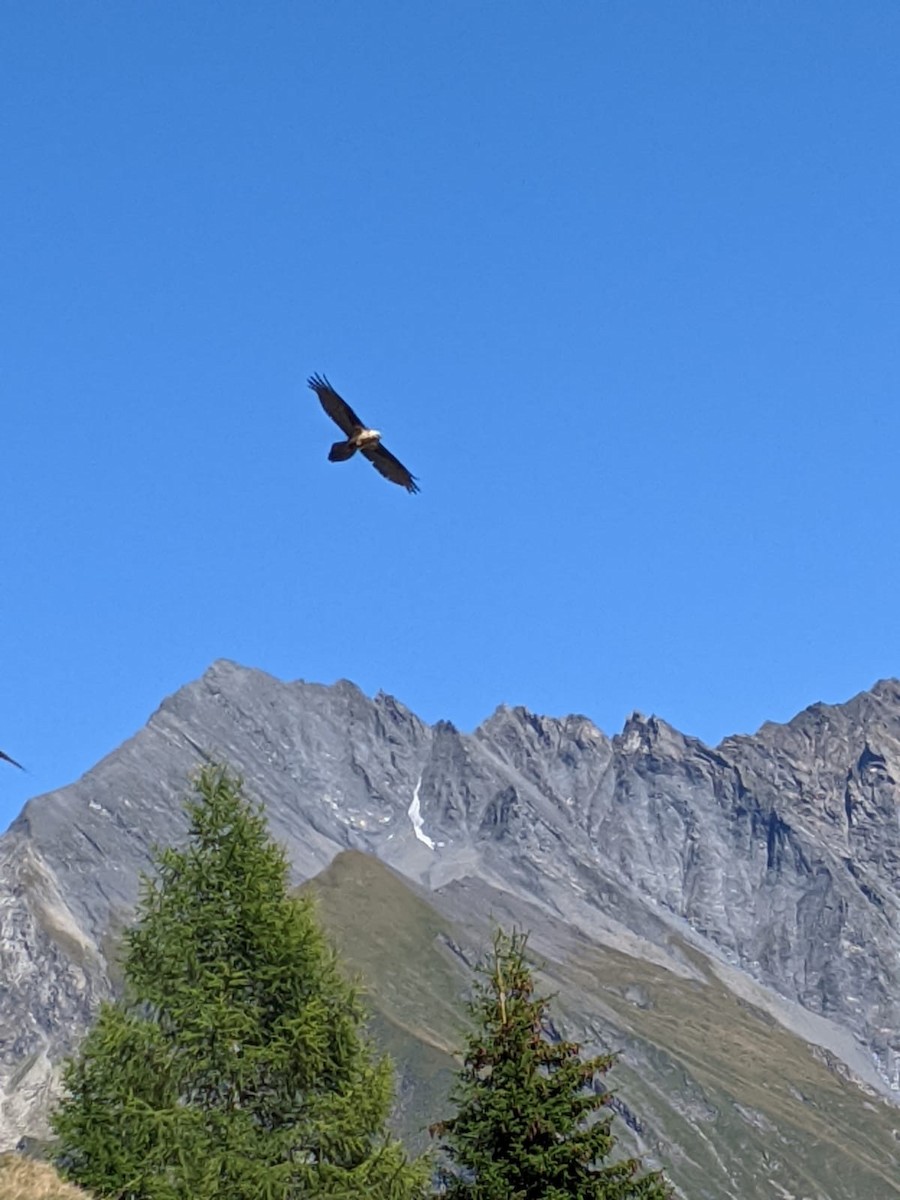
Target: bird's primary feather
(336, 406)
(390, 467)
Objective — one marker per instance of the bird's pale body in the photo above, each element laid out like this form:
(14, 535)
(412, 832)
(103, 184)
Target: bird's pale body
(367, 437)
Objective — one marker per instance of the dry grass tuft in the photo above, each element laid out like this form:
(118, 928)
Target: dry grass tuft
(22, 1178)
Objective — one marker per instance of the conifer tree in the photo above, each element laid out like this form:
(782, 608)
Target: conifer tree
(236, 1066)
(529, 1124)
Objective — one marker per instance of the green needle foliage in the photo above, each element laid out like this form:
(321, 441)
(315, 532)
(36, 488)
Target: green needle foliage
(236, 1067)
(529, 1123)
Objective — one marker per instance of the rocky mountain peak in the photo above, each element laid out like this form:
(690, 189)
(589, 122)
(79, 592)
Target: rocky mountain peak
(650, 735)
(776, 855)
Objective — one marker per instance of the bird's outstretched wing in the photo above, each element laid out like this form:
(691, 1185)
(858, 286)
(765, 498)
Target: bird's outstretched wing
(6, 758)
(390, 467)
(336, 407)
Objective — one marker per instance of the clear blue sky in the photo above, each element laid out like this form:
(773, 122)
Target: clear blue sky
(620, 282)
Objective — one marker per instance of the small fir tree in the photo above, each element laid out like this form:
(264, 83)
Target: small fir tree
(529, 1124)
(236, 1066)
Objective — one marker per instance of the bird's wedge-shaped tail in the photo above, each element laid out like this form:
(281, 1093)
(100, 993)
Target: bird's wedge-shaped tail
(359, 437)
(6, 758)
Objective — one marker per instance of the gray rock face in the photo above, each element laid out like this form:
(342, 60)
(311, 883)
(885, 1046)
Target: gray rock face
(777, 856)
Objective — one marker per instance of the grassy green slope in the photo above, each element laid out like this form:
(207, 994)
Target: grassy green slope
(728, 1101)
(391, 939)
(738, 1098)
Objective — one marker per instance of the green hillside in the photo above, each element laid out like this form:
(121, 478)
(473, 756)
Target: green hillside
(730, 1103)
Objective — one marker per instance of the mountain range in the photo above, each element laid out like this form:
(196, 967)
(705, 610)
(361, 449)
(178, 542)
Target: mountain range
(726, 918)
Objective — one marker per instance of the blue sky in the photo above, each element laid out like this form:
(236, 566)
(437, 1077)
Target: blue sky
(618, 281)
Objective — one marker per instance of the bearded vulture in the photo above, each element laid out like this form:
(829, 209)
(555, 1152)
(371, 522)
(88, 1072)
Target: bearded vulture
(366, 441)
(6, 758)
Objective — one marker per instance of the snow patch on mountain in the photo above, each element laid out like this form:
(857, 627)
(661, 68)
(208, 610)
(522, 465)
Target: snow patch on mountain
(415, 815)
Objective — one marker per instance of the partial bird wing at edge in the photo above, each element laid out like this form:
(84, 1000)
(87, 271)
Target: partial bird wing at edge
(336, 407)
(6, 758)
(390, 467)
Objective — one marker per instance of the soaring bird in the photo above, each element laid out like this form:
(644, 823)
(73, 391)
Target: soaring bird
(366, 441)
(6, 758)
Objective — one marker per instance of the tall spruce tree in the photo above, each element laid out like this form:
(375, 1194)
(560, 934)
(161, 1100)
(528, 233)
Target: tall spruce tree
(236, 1066)
(529, 1123)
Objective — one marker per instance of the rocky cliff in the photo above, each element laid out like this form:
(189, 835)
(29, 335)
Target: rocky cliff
(774, 857)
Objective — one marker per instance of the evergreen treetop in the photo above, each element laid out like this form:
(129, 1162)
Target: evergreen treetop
(236, 1066)
(530, 1124)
